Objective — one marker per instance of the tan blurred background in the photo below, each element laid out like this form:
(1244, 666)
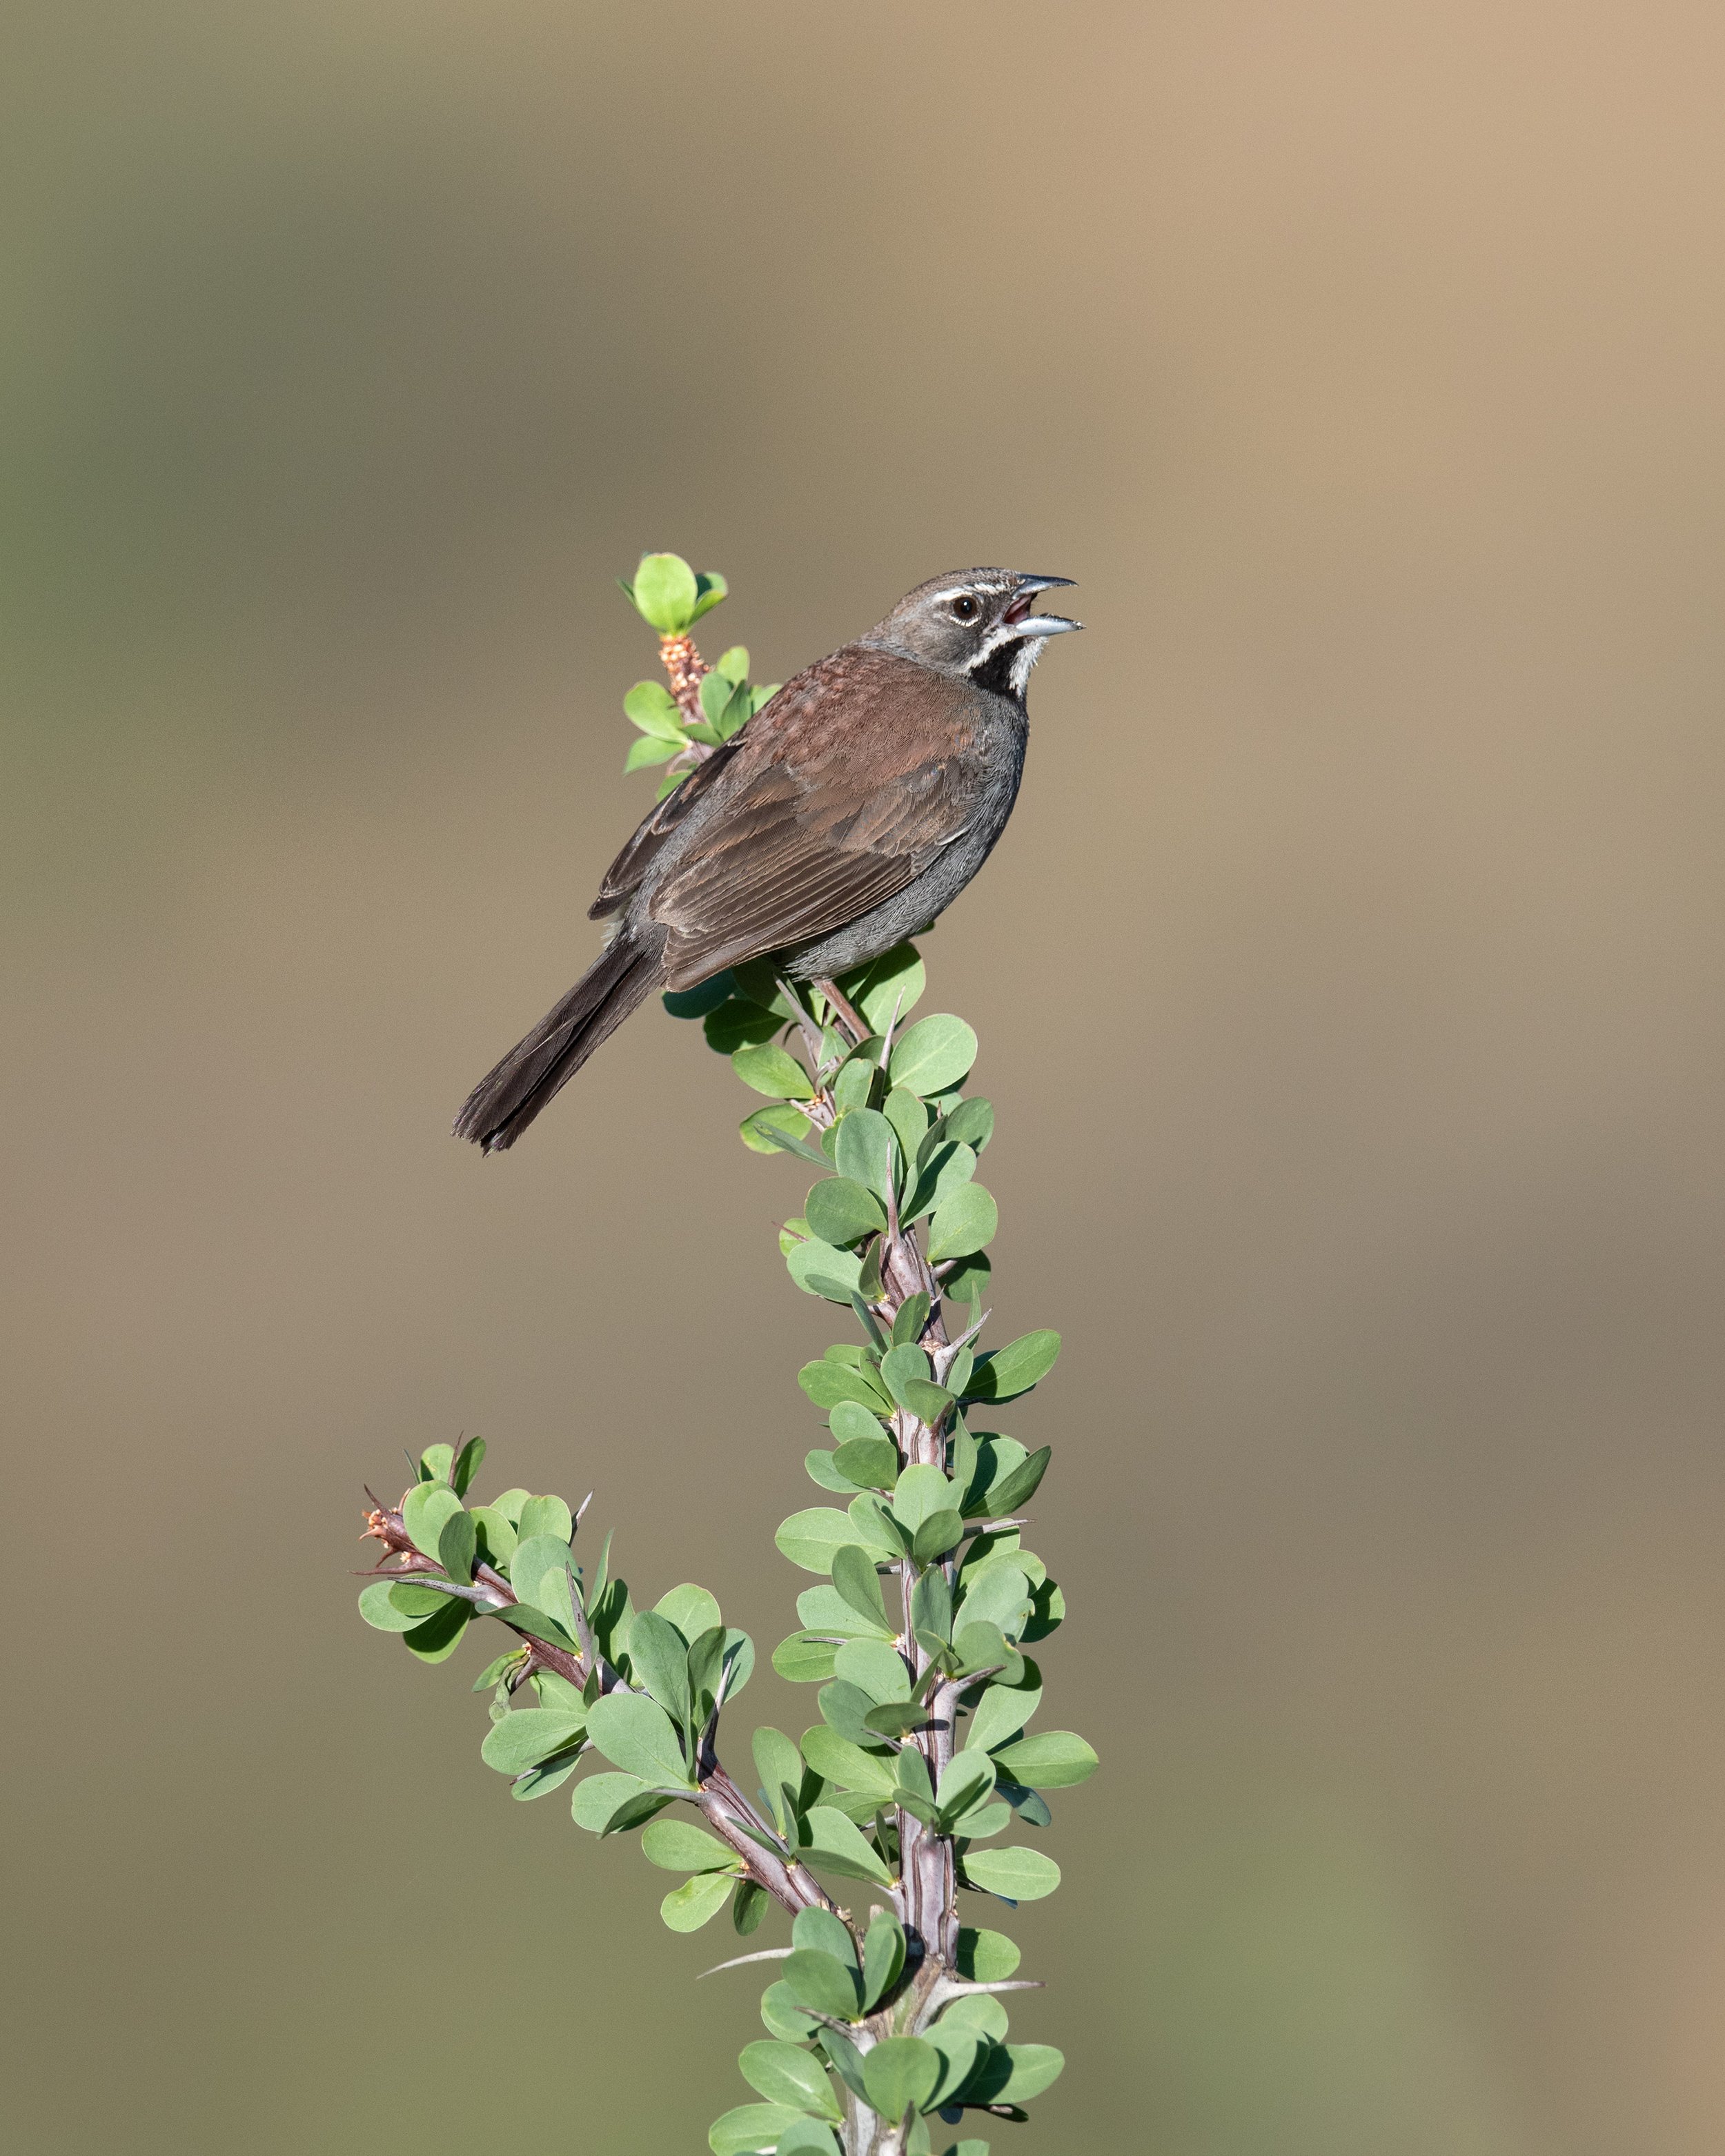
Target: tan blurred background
(1349, 986)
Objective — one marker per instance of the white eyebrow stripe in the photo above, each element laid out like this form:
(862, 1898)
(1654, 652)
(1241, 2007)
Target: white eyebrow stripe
(969, 591)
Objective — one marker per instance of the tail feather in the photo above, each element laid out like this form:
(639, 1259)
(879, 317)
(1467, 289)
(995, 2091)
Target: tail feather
(507, 1098)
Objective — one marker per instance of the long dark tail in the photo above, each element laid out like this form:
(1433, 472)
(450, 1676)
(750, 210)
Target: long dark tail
(506, 1100)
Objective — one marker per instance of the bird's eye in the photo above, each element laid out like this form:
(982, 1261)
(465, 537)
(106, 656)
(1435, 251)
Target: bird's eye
(965, 607)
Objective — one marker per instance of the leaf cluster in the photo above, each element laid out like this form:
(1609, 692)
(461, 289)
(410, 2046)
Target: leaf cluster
(926, 1600)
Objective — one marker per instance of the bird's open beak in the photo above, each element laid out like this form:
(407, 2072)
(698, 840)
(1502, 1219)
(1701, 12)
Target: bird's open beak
(1019, 614)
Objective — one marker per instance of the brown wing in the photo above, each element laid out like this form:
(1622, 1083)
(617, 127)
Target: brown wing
(870, 769)
(625, 873)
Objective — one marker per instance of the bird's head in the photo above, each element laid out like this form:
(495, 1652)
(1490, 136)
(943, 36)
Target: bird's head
(980, 625)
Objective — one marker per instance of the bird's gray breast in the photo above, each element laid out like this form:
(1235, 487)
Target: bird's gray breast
(998, 766)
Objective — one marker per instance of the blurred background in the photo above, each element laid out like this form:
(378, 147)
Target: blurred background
(1348, 982)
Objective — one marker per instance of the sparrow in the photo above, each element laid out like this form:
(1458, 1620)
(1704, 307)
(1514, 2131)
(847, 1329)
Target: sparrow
(848, 813)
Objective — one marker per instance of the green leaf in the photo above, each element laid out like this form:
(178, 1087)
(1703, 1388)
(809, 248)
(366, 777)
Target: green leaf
(810, 1539)
(966, 1780)
(933, 1055)
(884, 1951)
(665, 593)
(912, 1317)
(1001, 1714)
(778, 1765)
(828, 1383)
(819, 1982)
(752, 2126)
(781, 1129)
(979, 2012)
(438, 1638)
(771, 1069)
(1020, 1485)
(968, 1281)
(704, 1660)
(1048, 1610)
(855, 1578)
(733, 663)
(901, 1364)
(803, 1660)
(928, 1403)
(888, 988)
(844, 1707)
(825, 1610)
(467, 1464)
(850, 1418)
(947, 1170)
(821, 1468)
(528, 1735)
(809, 2137)
(982, 1646)
(715, 693)
(931, 1605)
(679, 1846)
(417, 1598)
(636, 1734)
(995, 1592)
(896, 1719)
(842, 1212)
(748, 1905)
(986, 1957)
(660, 1658)
(697, 1901)
(922, 1491)
(874, 1668)
(557, 1691)
(1025, 2071)
(782, 2016)
(785, 2073)
(690, 1608)
(648, 751)
(1015, 1874)
(938, 1533)
(540, 1575)
(971, 1123)
(710, 587)
(1052, 1759)
(436, 1463)
(855, 1082)
(900, 2074)
(834, 1844)
(909, 1119)
(697, 1002)
(818, 1269)
(741, 1022)
(384, 1614)
(547, 1516)
(496, 1536)
(820, 1927)
(835, 1759)
(652, 708)
(608, 1804)
(959, 2047)
(424, 1511)
(1006, 1372)
(549, 1774)
(457, 1546)
(865, 1150)
(847, 2060)
(965, 1222)
(870, 1461)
